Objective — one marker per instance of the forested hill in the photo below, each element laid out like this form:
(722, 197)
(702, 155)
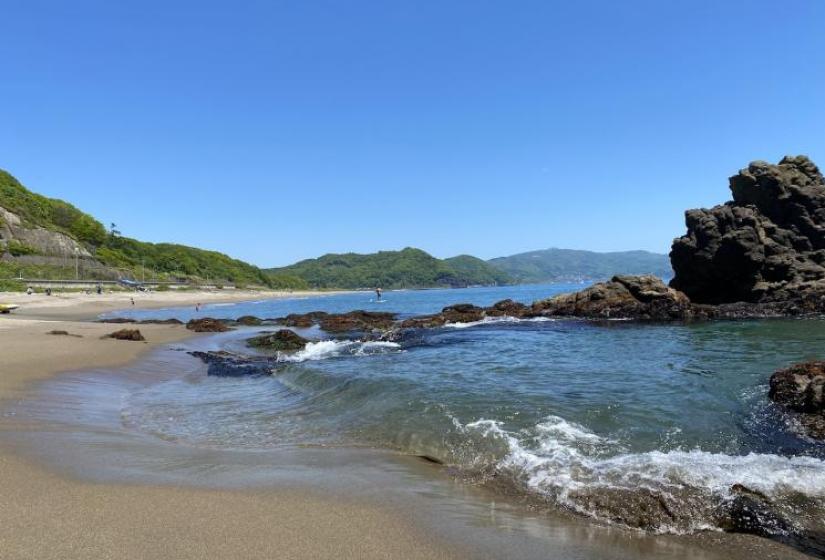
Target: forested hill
(408, 268)
(32, 225)
(550, 265)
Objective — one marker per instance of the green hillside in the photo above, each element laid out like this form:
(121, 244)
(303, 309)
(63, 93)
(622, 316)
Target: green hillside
(478, 270)
(130, 256)
(551, 265)
(408, 268)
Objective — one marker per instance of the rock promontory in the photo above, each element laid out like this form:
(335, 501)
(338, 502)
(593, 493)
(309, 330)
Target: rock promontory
(765, 245)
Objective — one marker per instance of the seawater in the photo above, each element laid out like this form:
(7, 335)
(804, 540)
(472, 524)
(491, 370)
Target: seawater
(598, 418)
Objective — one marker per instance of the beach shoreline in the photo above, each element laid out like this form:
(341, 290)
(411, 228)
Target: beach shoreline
(46, 513)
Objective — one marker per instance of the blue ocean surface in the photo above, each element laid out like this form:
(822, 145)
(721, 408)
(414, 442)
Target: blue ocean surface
(589, 416)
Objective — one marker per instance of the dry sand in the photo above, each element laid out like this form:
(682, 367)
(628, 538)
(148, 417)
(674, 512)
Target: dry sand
(79, 305)
(44, 515)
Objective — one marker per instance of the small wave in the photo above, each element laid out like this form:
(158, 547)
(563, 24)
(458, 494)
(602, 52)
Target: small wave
(324, 349)
(595, 476)
(493, 320)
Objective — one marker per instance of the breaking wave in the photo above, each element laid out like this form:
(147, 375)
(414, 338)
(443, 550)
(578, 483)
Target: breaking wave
(323, 349)
(678, 491)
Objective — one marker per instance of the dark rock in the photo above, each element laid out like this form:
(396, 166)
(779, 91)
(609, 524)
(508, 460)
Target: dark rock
(462, 313)
(161, 322)
(301, 320)
(117, 320)
(751, 512)
(126, 334)
(766, 245)
(64, 333)
(207, 324)
(458, 313)
(507, 308)
(800, 389)
(424, 322)
(248, 321)
(623, 297)
(282, 341)
(227, 364)
(357, 321)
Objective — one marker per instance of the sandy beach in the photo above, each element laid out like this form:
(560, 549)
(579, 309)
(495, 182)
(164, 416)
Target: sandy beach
(45, 515)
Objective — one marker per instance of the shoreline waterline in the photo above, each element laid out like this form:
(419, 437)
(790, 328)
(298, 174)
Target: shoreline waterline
(69, 432)
(378, 476)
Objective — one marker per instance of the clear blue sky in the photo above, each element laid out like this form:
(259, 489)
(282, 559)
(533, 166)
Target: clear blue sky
(275, 131)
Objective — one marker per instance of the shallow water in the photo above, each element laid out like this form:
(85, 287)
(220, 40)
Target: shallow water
(590, 417)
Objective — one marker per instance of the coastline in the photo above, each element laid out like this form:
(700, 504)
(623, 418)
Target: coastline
(86, 307)
(46, 514)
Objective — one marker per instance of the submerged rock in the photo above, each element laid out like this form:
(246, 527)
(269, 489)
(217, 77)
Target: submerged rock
(228, 364)
(284, 340)
(126, 334)
(767, 244)
(801, 389)
(207, 324)
(751, 512)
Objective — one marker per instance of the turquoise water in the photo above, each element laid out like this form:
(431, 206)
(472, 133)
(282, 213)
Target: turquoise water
(591, 417)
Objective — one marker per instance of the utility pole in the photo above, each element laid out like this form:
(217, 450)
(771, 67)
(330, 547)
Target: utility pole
(143, 269)
(76, 266)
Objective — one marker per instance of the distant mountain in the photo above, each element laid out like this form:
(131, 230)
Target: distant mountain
(553, 265)
(477, 271)
(408, 268)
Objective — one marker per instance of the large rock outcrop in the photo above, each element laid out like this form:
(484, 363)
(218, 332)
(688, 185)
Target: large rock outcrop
(765, 245)
(41, 240)
(623, 297)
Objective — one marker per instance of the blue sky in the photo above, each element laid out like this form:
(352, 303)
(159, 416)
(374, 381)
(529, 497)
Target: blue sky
(275, 131)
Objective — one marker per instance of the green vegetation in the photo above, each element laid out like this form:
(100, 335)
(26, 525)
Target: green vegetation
(408, 268)
(552, 265)
(49, 213)
(130, 257)
(18, 248)
(477, 271)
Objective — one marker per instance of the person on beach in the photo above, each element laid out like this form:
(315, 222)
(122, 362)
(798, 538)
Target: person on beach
(29, 290)
(133, 300)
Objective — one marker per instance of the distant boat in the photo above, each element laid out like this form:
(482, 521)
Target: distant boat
(7, 307)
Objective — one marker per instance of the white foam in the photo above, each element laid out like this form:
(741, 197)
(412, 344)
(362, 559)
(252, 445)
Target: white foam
(559, 458)
(492, 320)
(324, 349)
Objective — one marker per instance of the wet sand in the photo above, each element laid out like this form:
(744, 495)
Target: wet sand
(347, 506)
(45, 515)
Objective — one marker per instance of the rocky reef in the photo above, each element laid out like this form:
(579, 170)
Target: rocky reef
(765, 245)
